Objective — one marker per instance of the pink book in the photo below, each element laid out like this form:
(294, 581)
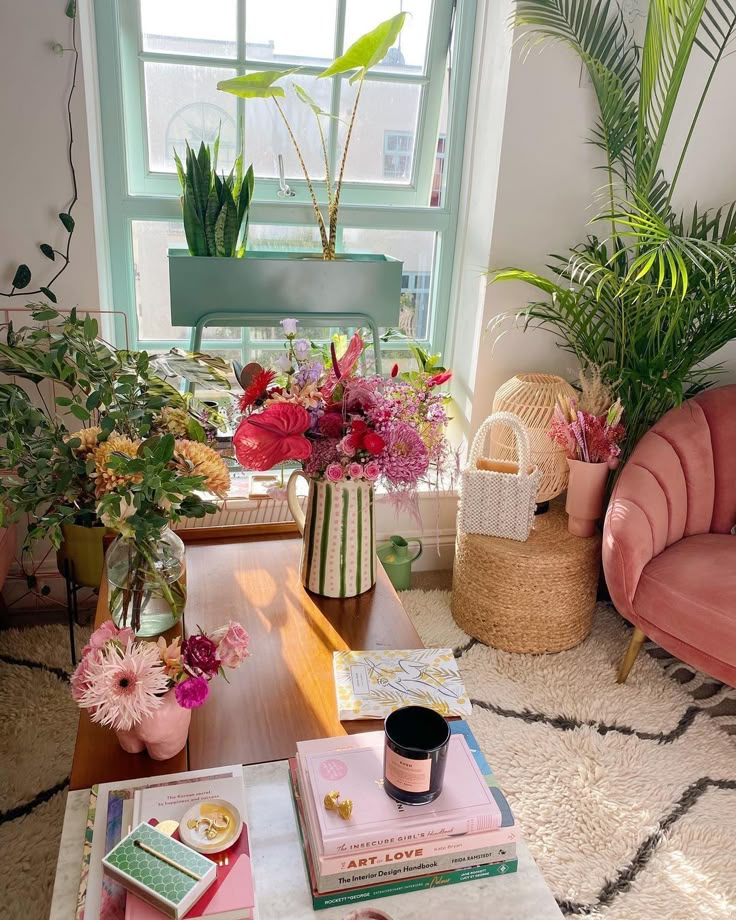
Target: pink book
(354, 765)
(231, 897)
(443, 846)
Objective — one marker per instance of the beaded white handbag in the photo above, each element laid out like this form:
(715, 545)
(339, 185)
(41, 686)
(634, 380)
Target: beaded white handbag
(498, 502)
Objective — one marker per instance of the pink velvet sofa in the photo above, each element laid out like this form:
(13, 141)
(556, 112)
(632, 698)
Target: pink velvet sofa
(668, 552)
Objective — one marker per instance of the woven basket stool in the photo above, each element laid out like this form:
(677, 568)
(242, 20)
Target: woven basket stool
(532, 597)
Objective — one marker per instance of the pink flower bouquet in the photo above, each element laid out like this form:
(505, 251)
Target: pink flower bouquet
(121, 680)
(316, 407)
(586, 437)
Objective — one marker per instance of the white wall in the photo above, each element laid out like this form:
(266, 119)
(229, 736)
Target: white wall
(36, 183)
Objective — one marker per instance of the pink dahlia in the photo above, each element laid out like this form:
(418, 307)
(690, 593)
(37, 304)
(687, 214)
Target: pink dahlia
(192, 692)
(123, 685)
(405, 459)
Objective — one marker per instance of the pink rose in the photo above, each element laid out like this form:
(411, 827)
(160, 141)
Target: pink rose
(355, 470)
(334, 472)
(232, 644)
(100, 637)
(371, 470)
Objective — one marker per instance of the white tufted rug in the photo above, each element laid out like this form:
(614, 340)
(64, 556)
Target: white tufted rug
(626, 794)
(38, 727)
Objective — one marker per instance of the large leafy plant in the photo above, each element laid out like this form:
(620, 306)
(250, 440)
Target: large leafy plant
(370, 49)
(652, 295)
(215, 208)
(46, 472)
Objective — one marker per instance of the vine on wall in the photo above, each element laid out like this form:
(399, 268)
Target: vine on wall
(22, 277)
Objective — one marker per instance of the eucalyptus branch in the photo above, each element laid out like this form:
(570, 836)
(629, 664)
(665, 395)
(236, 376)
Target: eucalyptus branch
(315, 204)
(46, 289)
(338, 187)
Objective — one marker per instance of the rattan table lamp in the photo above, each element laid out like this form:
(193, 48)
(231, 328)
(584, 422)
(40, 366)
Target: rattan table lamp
(532, 397)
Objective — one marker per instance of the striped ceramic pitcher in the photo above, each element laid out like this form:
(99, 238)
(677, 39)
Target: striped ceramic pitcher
(339, 548)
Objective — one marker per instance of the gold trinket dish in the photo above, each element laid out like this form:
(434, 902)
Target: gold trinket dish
(211, 826)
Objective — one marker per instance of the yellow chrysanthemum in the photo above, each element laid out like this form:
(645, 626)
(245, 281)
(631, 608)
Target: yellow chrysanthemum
(106, 480)
(88, 437)
(175, 421)
(201, 460)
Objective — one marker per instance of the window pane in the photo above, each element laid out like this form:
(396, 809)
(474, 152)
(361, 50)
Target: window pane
(151, 242)
(416, 251)
(290, 31)
(387, 114)
(266, 136)
(184, 104)
(185, 27)
(409, 53)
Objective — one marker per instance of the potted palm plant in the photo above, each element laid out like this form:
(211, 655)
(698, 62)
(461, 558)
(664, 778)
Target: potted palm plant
(296, 282)
(653, 296)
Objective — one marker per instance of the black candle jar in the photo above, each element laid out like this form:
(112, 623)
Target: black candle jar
(415, 754)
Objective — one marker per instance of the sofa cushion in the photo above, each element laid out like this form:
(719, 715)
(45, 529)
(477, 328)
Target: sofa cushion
(689, 591)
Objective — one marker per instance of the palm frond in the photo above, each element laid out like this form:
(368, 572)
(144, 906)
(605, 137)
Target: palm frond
(672, 28)
(597, 32)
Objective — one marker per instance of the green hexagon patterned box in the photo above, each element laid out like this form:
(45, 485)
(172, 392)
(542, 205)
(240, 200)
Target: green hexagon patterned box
(161, 870)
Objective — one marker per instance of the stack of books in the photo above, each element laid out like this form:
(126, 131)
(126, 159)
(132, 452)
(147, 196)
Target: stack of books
(387, 848)
(117, 808)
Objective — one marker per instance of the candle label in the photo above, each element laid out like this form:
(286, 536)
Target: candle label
(409, 775)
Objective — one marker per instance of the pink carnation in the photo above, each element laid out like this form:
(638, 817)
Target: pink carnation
(355, 471)
(232, 644)
(334, 472)
(192, 692)
(371, 470)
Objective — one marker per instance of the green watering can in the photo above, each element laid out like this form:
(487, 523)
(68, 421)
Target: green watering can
(396, 560)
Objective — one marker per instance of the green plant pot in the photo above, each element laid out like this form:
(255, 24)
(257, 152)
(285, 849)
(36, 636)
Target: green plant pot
(83, 547)
(284, 283)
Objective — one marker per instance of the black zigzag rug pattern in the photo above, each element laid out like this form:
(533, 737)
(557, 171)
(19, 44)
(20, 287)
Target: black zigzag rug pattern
(574, 696)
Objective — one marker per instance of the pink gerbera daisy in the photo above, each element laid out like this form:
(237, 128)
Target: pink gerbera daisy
(124, 685)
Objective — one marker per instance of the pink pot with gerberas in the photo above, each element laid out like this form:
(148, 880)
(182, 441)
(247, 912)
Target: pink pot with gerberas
(145, 691)
(592, 445)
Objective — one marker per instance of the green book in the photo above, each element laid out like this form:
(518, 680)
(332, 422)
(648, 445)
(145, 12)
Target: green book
(320, 901)
(162, 871)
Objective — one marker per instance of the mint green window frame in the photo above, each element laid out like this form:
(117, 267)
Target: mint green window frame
(134, 192)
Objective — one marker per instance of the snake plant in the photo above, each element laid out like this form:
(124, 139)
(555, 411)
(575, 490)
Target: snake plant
(215, 208)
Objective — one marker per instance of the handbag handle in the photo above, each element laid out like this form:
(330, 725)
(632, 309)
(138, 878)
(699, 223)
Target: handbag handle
(519, 430)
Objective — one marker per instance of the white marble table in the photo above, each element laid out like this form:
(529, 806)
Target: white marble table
(280, 879)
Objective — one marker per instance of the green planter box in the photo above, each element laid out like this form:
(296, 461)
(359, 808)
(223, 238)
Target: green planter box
(284, 284)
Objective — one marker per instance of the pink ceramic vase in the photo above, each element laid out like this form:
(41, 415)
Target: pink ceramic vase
(162, 734)
(585, 490)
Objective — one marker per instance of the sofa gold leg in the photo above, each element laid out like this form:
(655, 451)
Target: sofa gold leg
(637, 640)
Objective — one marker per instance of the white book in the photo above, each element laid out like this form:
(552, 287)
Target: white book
(371, 684)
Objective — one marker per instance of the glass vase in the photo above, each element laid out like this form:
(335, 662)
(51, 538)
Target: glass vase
(146, 582)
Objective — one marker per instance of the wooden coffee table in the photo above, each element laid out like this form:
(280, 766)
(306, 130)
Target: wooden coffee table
(285, 692)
